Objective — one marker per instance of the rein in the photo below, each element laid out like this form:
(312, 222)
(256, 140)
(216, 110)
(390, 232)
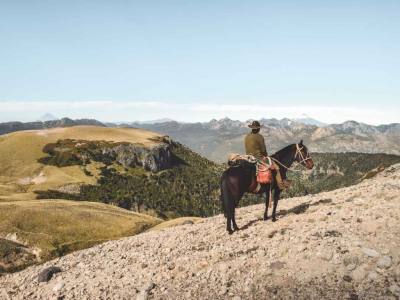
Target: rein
(298, 153)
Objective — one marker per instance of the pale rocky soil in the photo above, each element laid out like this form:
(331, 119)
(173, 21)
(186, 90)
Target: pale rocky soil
(343, 244)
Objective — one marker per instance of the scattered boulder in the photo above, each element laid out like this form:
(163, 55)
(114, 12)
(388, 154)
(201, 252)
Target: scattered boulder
(353, 296)
(144, 294)
(372, 276)
(188, 222)
(58, 287)
(359, 274)
(347, 278)
(395, 289)
(370, 252)
(48, 273)
(351, 267)
(277, 265)
(384, 262)
(325, 255)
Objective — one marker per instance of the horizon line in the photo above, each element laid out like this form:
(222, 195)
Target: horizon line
(168, 120)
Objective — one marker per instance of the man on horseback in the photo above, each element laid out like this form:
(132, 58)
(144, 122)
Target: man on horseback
(254, 142)
(255, 145)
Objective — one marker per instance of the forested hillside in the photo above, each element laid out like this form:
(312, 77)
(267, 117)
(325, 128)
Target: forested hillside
(191, 186)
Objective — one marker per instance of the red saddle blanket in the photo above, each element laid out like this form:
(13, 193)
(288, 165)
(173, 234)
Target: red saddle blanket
(264, 173)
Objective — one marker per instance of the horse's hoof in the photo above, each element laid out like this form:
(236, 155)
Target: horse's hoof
(265, 218)
(273, 220)
(230, 231)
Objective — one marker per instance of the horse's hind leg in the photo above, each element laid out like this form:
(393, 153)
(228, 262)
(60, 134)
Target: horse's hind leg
(228, 223)
(230, 212)
(266, 204)
(231, 217)
(277, 194)
(227, 205)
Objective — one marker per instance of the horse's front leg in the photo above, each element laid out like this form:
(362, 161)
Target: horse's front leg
(266, 203)
(277, 193)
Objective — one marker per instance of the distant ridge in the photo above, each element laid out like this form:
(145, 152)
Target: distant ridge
(157, 121)
(9, 127)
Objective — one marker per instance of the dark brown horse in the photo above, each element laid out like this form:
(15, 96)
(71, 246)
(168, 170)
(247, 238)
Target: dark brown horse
(236, 181)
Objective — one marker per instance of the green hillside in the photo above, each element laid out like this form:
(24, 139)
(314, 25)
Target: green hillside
(189, 188)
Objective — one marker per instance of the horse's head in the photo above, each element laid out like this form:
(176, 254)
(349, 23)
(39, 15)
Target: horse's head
(302, 156)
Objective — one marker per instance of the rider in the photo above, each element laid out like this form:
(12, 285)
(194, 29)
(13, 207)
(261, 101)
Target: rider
(255, 145)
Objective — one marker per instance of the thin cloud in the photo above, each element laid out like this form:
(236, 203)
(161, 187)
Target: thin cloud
(144, 110)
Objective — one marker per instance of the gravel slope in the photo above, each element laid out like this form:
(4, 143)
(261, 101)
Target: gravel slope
(343, 244)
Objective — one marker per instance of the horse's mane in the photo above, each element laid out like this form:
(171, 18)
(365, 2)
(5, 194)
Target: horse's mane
(279, 153)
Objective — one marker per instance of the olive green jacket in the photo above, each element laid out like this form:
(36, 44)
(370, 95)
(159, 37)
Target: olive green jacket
(255, 145)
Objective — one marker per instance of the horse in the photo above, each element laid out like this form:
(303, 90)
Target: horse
(237, 180)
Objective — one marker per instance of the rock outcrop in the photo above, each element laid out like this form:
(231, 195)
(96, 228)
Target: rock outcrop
(152, 159)
(73, 152)
(342, 244)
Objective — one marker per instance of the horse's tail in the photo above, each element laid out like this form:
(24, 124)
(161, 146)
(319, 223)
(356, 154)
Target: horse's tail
(224, 197)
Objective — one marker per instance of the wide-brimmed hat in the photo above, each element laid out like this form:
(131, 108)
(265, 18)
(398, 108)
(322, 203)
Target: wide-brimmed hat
(255, 125)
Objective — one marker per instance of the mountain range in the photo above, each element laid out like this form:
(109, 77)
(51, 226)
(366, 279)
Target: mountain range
(218, 138)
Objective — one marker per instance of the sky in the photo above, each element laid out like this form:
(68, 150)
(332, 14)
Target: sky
(197, 60)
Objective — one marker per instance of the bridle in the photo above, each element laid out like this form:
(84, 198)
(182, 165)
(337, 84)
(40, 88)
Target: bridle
(298, 155)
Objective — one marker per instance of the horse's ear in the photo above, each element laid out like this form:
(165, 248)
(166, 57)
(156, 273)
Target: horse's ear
(301, 143)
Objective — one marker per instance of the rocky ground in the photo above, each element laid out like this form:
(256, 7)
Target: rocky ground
(343, 244)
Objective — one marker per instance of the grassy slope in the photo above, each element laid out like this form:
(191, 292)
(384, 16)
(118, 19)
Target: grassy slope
(57, 227)
(20, 151)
